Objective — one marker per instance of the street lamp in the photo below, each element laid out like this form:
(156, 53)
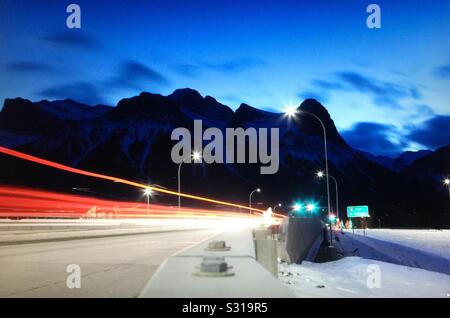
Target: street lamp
(278, 205)
(292, 112)
(447, 183)
(250, 198)
(310, 207)
(197, 157)
(148, 193)
(320, 174)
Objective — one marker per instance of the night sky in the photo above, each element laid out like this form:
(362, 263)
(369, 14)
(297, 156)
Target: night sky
(386, 89)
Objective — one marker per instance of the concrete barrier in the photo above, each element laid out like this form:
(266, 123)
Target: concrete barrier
(239, 275)
(299, 235)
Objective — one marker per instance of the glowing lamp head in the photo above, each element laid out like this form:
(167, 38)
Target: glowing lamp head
(447, 181)
(297, 207)
(310, 207)
(148, 191)
(290, 111)
(320, 174)
(258, 190)
(196, 155)
(279, 204)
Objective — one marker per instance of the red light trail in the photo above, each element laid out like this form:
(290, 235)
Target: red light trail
(24, 202)
(59, 166)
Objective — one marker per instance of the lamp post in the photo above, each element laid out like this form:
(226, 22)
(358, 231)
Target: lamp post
(447, 183)
(196, 156)
(320, 174)
(148, 193)
(291, 112)
(278, 205)
(250, 198)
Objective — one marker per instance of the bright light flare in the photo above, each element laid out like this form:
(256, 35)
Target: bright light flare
(310, 207)
(320, 174)
(148, 192)
(290, 111)
(297, 207)
(196, 155)
(267, 217)
(447, 181)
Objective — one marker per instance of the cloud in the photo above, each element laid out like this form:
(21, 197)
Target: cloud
(80, 91)
(74, 39)
(136, 75)
(433, 133)
(29, 67)
(443, 71)
(327, 85)
(189, 70)
(383, 93)
(237, 65)
(375, 138)
(230, 66)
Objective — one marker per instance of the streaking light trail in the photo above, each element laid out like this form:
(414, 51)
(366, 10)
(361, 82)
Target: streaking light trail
(59, 166)
(24, 202)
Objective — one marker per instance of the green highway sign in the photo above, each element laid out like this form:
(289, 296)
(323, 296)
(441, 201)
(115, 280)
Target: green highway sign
(360, 211)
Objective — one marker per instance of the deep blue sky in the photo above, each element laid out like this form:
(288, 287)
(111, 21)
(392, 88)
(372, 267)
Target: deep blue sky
(386, 89)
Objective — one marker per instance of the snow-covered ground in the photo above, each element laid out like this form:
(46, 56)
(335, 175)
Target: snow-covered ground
(410, 263)
(358, 277)
(431, 241)
(425, 249)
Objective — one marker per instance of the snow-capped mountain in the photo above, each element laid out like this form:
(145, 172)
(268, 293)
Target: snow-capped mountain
(132, 140)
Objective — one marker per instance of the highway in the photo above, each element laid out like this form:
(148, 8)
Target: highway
(117, 266)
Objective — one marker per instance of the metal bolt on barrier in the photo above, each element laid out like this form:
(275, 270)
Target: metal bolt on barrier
(214, 267)
(217, 246)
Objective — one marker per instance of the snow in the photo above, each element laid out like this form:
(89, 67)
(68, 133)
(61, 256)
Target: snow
(349, 277)
(433, 241)
(426, 249)
(411, 263)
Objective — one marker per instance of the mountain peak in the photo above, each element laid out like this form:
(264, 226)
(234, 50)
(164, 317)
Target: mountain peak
(191, 100)
(313, 106)
(186, 94)
(312, 126)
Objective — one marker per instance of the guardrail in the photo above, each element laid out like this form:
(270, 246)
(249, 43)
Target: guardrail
(223, 266)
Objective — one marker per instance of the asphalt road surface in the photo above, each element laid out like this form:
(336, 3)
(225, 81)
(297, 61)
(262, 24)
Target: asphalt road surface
(110, 267)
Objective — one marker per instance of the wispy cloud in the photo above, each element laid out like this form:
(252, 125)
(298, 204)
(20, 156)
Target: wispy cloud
(29, 67)
(135, 75)
(186, 69)
(433, 133)
(375, 138)
(443, 71)
(80, 91)
(230, 66)
(237, 65)
(383, 93)
(74, 39)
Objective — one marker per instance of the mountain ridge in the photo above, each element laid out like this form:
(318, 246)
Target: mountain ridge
(132, 140)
